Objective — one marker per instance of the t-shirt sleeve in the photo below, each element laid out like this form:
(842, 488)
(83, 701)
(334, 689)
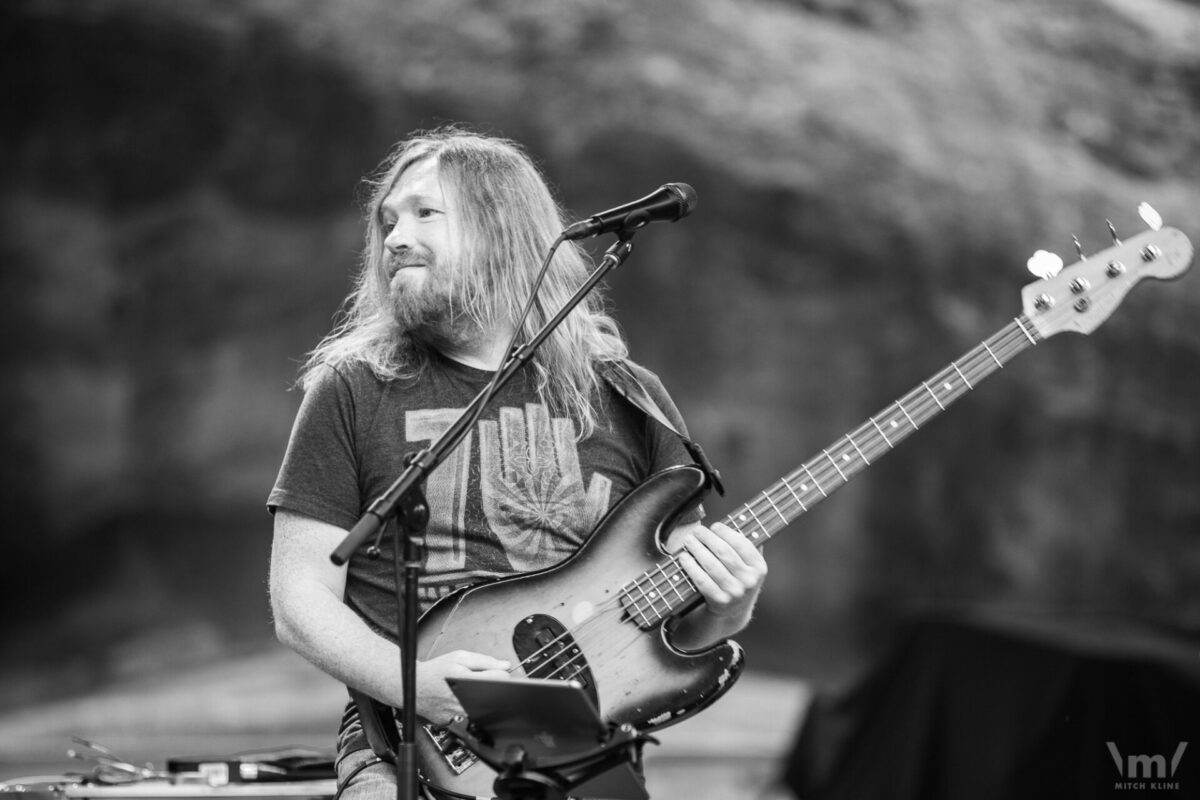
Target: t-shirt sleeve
(319, 475)
(666, 448)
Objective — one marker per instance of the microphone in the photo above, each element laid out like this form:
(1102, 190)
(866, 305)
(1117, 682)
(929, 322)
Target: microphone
(668, 203)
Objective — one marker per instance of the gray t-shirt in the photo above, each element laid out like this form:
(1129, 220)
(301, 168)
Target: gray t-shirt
(519, 494)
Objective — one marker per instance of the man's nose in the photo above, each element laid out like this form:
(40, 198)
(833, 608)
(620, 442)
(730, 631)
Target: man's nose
(399, 238)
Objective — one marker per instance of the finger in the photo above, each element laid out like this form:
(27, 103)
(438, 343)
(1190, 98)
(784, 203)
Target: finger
(746, 549)
(680, 535)
(723, 567)
(741, 558)
(479, 662)
(716, 544)
(446, 712)
(708, 588)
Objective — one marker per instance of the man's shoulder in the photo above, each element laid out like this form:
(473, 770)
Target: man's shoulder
(355, 377)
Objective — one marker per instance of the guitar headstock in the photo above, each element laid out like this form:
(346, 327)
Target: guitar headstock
(1083, 295)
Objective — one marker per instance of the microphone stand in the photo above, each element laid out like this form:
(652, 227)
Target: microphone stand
(405, 500)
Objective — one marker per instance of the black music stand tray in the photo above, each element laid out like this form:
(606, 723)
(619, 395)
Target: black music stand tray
(546, 740)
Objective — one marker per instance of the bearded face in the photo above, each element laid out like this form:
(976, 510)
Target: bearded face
(423, 242)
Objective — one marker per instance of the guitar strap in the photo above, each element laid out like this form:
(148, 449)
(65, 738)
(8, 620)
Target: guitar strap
(621, 378)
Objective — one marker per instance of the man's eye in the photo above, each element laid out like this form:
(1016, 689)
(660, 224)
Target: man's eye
(387, 224)
(427, 212)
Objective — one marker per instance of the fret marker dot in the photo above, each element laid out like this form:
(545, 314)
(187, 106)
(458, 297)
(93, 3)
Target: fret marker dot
(845, 456)
(651, 595)
(946, 386)
(804, 487)
(895, 424)
(754, 535)
(742, 518)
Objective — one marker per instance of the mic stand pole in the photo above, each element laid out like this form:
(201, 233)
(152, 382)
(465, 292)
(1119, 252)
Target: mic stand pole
(405, 500)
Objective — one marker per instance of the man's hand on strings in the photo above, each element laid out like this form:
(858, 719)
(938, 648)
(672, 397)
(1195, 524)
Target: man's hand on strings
(727, 569)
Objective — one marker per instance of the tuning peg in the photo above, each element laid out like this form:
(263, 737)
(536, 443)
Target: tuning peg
(1149, 216)
(1078, 248)
(1044, 264)
(1112, 232)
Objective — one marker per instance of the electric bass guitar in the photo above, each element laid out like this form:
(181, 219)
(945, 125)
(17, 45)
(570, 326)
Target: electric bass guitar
(602, 617)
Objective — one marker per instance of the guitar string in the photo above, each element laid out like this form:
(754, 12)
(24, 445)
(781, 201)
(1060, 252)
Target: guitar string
(578, 634)
(613, 604)
(580, 631)
(1013, 339)
(602, 609)
(621, 601)
(622, 639)
(622, 643)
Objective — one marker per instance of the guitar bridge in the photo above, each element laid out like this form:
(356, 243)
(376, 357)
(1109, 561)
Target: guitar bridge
(547, 650)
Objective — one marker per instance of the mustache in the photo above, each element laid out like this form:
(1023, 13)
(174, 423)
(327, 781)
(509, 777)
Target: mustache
(409, 258)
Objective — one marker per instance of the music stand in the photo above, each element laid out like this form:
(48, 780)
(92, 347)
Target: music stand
(545, 739)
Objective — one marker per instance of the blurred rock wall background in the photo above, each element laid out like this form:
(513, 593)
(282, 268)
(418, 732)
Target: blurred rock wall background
(179, 221)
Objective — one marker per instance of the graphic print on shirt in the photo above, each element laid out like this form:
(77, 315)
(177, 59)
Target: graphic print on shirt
(445, 489)
(531, 487)
(533, 493)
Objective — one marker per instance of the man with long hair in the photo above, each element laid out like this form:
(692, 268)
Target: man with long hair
(456, 228)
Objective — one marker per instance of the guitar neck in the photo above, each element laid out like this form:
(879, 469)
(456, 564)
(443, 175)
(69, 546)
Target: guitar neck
(813, 481)
(667, 590)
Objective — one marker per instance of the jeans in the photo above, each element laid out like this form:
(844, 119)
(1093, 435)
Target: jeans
(376, 782)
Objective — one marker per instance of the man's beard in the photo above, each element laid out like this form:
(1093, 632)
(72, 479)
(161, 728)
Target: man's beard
(426, 312)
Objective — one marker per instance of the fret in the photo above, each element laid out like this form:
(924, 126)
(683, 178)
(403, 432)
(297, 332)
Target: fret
(631, 605)
(638, 585)
(815, 481)
(993, 355)
(911, 421)
(795, 496)
(933, 395)
(881, 433)
(777, 511)
(672, 583)
(835, 466)
(861, 454)
(687, 581)
(960, 374)
(756, 519)
(653, 594)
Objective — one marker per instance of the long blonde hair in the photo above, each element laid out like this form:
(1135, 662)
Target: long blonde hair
(509, 219)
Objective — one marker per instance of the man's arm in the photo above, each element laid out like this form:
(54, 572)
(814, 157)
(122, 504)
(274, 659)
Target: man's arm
(307, 592)
(728, 571)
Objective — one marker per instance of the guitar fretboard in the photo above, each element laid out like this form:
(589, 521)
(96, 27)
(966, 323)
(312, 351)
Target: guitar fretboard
(665, 590)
